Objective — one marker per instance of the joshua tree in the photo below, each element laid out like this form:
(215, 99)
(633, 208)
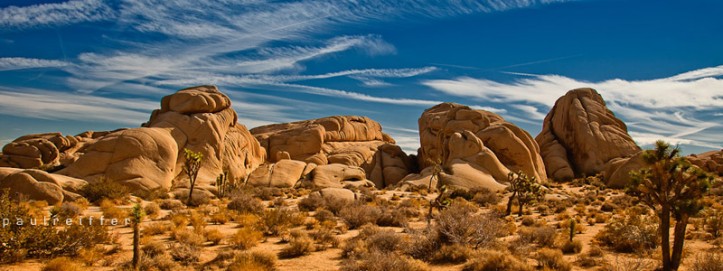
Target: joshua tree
(222, 183)
(670, 185)
(137, 215)
(524, 188)
(436, 171)
(191, 167)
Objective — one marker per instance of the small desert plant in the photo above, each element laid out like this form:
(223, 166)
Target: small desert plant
(454, 253)
(185, 254)
(62, 264)
(188, 237)
(246, 203)
(257, 260)
(489, 260)
(245, 238)
(460, 224)
(214, 236)
(378, 261)
(111, 211)
(67, 210)
(551, 259)
(634, 232)
(708, 262)
(571, 247)
(191, 166)
(152, 210)
(358, 214)
(544, 236)
(171, 204)
(104, 189)
(525, 190)
(137, 215)
(312, 202)
(301, 244)
(279, 220)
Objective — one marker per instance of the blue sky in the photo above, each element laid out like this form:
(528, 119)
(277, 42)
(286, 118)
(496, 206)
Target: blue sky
(79, 65)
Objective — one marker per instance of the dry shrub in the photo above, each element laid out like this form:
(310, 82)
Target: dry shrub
(246, 203)
(214, 236)
(279, 220)
(325, 238)
(245, 238)
(634, 232)
(393, 217)
(154, 249)
(552, 259)
(67, 210)
(324, 215)
(460, 224)
(311, 203)
(571, 247)
(62, 264)
(152, 210)
(253, 261)
(454, 254)
(163, 262)
(188, 237)
(91, 255)
(105, 189)
(544, 236)
(198, 221)
(484, 197)
(301, 244)
(528, 221)
(708, 262)
(185, 254)
(179, 220)
(372, 238)
(110, 210)
(171, 204)
(378, 261)
(157, 228)
(422, 244)
(357, 214)
(490, 260)
(221, 217)
(627, 264)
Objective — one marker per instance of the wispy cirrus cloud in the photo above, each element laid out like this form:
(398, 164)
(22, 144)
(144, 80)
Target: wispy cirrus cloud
(648, 113)
(21, 63)
(54, 14)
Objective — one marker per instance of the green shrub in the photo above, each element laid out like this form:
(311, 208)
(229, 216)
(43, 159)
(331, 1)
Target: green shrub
(634, 232)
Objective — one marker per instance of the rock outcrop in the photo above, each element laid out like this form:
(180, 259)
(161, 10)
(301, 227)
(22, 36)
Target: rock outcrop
(711, 161)
(356, 142)
(201, 119)
(141, 158)
(40, 185)
(476, 148)
(580, 136)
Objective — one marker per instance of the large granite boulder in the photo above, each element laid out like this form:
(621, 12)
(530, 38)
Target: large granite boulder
(201, 119)
(353, 141)
(144, 159)
(39, 185)
(475, 148)
(580, 136)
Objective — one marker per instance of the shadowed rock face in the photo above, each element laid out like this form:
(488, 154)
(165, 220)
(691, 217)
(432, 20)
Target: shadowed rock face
(580, 136)
(358, 143)
(476, 148)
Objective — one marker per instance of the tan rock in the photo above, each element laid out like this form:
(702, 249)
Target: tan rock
(580, 136)
(39, 185)
(140, 158)
(476, 148)
(201, 119)
(349, 140)
(337, 194)
(616, 173)
(282, 174)
(711, 161)
(338, 176)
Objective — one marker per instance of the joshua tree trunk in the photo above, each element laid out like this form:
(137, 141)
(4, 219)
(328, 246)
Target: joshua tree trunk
(136, 246)
(519, 212)
(190, 191)
(678, 240)
(665, 236)
(509, 203)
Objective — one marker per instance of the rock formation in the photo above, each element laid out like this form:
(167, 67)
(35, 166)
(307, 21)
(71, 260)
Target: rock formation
(476, 148)
(356, 142)
(201, 119)
(711, 161)
(580, 136)
(40, 185)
